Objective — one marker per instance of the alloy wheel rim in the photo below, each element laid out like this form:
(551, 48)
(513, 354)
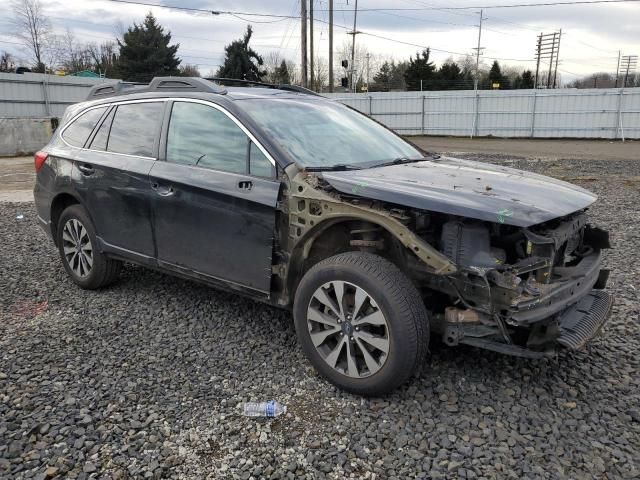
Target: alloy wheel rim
(77, 248)
(348, 329)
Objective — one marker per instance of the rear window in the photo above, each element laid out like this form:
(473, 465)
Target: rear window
(135, 128)
(76, 133)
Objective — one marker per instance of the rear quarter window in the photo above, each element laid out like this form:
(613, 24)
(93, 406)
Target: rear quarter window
(78, 131)
(135, 128)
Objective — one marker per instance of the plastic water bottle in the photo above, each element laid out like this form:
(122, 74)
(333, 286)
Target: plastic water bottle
(264, 409)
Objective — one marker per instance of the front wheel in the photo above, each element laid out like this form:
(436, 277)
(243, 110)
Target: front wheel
(361, 322)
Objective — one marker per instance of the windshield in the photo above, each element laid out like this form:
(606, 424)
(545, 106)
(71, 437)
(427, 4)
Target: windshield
(324, 134)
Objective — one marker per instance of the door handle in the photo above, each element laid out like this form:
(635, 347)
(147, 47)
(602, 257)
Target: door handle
(245, 185)
(86, 169)
(163, 191)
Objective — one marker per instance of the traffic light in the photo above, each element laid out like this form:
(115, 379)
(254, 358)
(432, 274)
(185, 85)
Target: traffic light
(344, 81)
(345, 63)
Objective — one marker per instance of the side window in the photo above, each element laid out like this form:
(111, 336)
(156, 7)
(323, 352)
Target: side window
(78, 132)
(134, 128)
(99, 141)
(204, 136)
(259, 164)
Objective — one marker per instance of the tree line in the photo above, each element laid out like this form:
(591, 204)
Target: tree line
(420, 73)
(146, 50)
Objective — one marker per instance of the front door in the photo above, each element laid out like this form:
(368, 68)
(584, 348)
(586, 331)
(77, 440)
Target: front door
(214, 199)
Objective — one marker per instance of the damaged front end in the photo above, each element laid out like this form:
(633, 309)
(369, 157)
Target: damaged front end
(495, 281)
(523, 290)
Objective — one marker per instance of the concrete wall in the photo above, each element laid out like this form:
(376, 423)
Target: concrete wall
(23, 136)
(30, 102)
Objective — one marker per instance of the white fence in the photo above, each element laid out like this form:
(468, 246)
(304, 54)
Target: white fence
(592, 113)
(34, 95)
(562, 113)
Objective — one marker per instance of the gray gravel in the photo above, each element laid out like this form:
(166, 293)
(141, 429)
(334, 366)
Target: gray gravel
(145, 379)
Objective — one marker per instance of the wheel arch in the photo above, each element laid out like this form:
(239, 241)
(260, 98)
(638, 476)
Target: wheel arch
(59, 203)
(332, 236)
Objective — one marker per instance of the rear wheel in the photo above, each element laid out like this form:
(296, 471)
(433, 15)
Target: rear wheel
(86, 265)
(361, 322)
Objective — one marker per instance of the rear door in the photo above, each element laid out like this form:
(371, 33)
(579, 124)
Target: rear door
(215, 195)
(111, 176)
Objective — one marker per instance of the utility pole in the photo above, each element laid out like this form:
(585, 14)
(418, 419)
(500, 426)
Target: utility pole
(353, 48)
(311, 43)
(548, 48)
(331, 46)
(618, 68)
(555, 71)
(303, 41)
(629, 64)
(368, 57)
(475, 81)
(551, 62)
(535, 83)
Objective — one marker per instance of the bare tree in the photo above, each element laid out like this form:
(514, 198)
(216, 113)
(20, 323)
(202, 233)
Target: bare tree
(271, 63)
(104, 57)
(362, 57)
(189, 70)
(33, 28)
(320, 74)
(294, 73)
(7, 62)
(73, 56)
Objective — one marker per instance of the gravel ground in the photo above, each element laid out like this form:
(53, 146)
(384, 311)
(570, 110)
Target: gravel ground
(145, 379)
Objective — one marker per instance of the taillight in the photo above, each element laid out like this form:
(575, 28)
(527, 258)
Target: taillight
(39, 159)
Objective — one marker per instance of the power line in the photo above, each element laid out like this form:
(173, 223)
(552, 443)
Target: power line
(513, 5)
(209, 11)
(396, 9)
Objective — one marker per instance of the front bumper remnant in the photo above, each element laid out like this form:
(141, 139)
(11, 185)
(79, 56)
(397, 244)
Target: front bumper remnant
(581, 322)
(572, 328)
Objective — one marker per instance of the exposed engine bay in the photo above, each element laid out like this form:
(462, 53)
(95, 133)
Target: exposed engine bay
(519, 290)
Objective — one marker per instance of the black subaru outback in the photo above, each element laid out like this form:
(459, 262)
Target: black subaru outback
(300, 202)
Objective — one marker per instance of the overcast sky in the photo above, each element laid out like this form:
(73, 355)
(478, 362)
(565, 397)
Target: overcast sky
(591, 34)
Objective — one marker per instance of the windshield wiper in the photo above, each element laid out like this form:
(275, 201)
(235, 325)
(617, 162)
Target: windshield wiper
(339, 167)
(399, 161)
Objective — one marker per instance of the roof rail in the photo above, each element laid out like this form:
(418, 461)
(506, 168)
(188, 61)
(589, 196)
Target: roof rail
(158, 84)
(297, 88)
(282, 86)
(113, 88)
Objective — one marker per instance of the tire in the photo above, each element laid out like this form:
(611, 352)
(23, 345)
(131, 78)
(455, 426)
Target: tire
(389, 298)
(94, 270)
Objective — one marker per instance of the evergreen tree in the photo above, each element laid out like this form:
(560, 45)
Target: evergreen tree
(397, 75)
(145, 52)
(242, 62)
(281, 74)
(450, 77)
(420, 69)
(496, 76)
(526, 79)
(382, 79)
